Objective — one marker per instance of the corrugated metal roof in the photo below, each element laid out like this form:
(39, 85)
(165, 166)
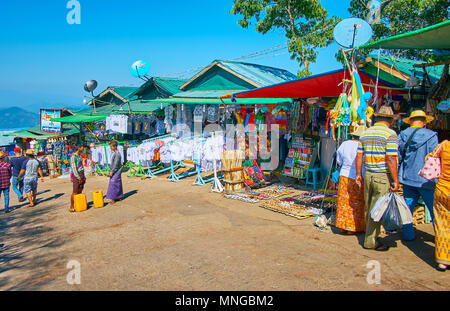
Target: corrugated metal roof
(206, 94)
(262, 75)
(407, 66)
(140, 106)
(124, 91)
(170, 85)
(100, 109)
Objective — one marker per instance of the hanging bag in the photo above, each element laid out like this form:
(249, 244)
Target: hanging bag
(432, 167)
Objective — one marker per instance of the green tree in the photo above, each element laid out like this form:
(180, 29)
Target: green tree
(305, 23)
(400, 16)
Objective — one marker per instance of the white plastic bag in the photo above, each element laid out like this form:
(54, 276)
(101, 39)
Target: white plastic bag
(382, 204)
(380, 207)
(405, 212)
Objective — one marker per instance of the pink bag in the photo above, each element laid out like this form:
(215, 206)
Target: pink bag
(432, 167)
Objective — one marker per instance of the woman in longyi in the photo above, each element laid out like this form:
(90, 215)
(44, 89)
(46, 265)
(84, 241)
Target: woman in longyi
(350, 216)
(442, 208)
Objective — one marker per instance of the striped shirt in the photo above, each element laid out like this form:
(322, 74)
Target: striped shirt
(378, 142)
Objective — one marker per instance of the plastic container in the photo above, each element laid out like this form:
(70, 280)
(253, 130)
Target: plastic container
(98, 199)
(80, 202)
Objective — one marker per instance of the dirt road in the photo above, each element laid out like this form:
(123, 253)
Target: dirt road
(176, 236)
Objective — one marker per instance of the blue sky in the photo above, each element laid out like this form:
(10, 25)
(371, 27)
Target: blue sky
(45, 61)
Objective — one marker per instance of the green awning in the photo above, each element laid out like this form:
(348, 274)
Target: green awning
(433, 37)
(227, 101)
(80, 118)
(42, 135)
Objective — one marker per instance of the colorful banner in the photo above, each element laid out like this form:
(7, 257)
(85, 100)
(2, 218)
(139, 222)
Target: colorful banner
(50, 126)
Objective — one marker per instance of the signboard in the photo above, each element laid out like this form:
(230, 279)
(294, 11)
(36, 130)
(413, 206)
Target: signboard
(50, 126)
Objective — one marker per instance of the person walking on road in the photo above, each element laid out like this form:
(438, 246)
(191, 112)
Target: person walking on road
(379, 146)
(350, 206)
(77, 175)
(115, 188)
(415, 143)
(5, 179)
(16, 164)
(30, 170)
(442, 208)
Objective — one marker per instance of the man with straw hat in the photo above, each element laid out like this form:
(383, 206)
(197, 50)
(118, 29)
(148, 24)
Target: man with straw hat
(415, 143)
(5, 179)
(30, 169)
(378, 148)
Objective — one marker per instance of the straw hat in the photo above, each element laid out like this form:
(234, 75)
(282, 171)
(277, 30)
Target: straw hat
(29, 152)
(385, 111)
(359, 131)
(417, 114)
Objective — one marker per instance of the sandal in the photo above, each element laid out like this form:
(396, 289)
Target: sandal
(381, 248)
(440, 269)
(72, 210)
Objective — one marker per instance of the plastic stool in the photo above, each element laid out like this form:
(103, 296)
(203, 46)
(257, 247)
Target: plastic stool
(315, 180)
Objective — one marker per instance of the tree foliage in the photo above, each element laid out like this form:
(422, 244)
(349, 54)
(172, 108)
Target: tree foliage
(305, 23)
(400, 16)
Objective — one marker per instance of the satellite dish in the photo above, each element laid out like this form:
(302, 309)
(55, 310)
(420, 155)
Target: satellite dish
(374, 15)
(140, 68)
(352, 32)
(90, 86)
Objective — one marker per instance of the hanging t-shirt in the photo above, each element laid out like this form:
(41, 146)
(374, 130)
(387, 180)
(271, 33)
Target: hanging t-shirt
(213, 114)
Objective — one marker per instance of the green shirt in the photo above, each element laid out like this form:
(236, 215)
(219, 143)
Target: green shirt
(76, 165)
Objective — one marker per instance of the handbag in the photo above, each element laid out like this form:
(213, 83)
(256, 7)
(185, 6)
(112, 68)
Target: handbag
(336, 175)
(432, 167)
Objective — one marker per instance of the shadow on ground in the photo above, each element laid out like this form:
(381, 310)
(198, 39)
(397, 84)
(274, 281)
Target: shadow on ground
(29, 249)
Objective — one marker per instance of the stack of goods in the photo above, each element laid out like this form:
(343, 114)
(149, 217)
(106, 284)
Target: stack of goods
(299, 157)
(253, 175)
(133, 125)
(419, 215)
(233, 171)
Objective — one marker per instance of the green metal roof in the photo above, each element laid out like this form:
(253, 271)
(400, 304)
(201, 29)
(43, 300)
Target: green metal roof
(99, 109)
(262, 75)
(405, 66)
(433, 37)
(231, 75)
(169, 86)
(206, 94)
(124, 91)
(218, 101)
(141, 106)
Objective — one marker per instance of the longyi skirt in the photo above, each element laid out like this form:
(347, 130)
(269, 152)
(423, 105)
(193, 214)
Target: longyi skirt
(115, 189)
(350, 210)
(442, 226)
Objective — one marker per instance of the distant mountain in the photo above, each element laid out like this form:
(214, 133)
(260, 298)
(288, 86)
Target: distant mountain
(15, 117)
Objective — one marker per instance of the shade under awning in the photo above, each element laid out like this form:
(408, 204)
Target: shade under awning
(226, 101)
(324, 85)
(433, 37)
(80, 118)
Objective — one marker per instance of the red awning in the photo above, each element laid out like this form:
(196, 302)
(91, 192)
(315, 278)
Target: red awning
(324, 85)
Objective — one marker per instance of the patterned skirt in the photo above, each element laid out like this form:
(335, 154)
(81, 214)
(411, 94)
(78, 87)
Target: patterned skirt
(350, 210)
(442, 226)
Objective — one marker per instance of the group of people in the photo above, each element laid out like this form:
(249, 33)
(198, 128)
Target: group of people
(376, 161)
(78, 178)
(22, 172)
